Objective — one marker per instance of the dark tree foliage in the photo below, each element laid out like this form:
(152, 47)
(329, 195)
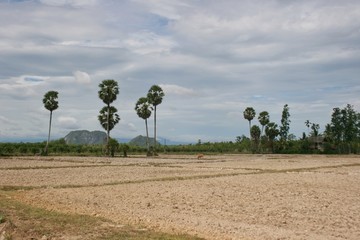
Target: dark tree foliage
(255, 136)
(264, 119)
(109, 90)
(108, 117)
(285, 124)
(272, 131)
(344, 129)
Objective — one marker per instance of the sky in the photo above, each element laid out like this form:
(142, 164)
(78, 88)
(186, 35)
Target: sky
(212, 59)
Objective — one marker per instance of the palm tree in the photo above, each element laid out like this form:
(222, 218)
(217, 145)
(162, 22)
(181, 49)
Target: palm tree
(249, 115)
(108, 118)
(255, 135)
(264, 119)
(272, 131)
(155, 96)
(143, 109)
(51, 104)
(108, 92)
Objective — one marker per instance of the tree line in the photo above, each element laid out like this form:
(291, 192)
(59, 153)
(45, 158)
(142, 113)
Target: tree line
(341, 135)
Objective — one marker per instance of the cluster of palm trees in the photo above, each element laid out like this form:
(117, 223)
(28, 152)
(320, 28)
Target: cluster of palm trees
(144, 107)
(271, 128)
(108, 116)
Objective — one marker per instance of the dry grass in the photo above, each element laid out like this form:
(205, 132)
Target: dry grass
(21, 221)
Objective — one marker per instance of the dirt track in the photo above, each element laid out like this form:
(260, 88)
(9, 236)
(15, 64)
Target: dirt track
(219, 197)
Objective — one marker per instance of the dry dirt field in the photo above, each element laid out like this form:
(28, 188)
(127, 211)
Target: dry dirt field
(216, 197)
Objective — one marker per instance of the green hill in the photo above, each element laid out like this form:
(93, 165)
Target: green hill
(85, 137)
(141, 141)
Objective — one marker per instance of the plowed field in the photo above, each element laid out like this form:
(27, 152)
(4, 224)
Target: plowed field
(216, 197)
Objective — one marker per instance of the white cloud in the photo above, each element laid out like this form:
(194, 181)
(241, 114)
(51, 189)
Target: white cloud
(74, 3)
(132, 127)
(164, 8)
(146, 42)
(178, 90)
(212, 60)
(82, 77)
(108, 43)
(68, 122)
(5, 120)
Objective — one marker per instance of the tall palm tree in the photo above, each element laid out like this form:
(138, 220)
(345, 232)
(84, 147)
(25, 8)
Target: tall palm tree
(255, 135)
(108, 92)
(264, 119)
(155, 96)
(51, 104)
(249, 114)
(272, 131)
(143, 109)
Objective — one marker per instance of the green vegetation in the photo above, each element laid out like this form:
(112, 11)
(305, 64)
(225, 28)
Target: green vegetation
(60, 147)
(27, 222)
(341, 136)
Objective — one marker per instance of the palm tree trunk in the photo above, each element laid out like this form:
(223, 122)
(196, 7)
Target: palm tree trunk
(251, 142)
(155, 130)
(261, 134)
(250, 130)
(147, 138)
(48, 140)
(108, 131)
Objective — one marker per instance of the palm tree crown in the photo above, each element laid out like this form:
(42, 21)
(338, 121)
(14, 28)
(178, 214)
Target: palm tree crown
(50, 100)
(155, 95)
(249, 113)
(108, 117)
(143, 108)
(264, 119)
(109, 90)
(51, 104)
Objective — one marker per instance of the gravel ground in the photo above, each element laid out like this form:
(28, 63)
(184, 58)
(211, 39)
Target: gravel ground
(219, 197)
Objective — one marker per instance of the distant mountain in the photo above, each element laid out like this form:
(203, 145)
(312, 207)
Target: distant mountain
(85, 137)
(141, 141)
(123, 140)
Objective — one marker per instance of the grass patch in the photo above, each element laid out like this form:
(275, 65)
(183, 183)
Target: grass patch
(16, 188)
(27, 222)
(2, 218)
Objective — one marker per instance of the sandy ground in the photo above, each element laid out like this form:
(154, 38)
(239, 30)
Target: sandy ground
(218, 197)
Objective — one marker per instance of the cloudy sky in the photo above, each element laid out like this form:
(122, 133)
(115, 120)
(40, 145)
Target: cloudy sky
(212, 58)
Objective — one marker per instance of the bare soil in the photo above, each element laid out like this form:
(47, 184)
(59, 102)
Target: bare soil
(217, 197)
